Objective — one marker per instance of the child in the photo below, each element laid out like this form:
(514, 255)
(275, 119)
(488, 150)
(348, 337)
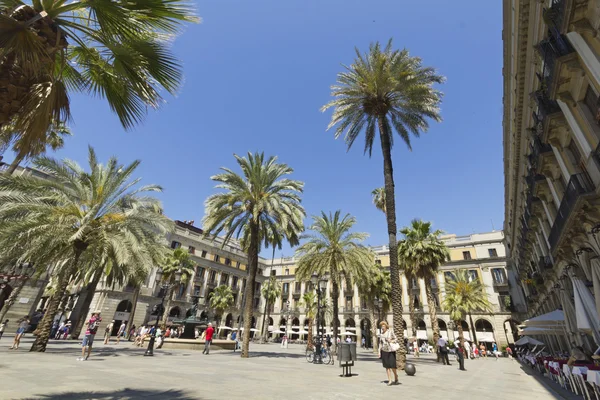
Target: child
(3, 327)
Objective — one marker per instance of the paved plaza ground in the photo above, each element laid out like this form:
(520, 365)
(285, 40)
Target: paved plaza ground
(122, 372)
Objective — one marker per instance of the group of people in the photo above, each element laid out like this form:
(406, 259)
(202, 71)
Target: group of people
(62, 330)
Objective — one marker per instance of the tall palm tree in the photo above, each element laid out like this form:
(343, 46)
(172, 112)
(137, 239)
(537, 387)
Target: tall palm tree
(332, 249)
(379, 287)
(116, 50)
(467, 295)
(178, 261)
(379, 199)
(54, 139)
(75, 213)
(386, 90)
(422, 252)
(271, 292)
(263, 206)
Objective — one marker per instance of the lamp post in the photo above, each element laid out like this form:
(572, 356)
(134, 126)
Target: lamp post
(320, 286)
(161, 308)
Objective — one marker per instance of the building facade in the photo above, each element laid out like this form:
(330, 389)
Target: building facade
(551, 128)
(483, 255)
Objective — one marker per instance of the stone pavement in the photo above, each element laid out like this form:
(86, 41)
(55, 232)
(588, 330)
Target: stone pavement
(122, 372)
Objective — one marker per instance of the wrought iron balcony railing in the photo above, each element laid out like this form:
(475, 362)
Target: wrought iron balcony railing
(545, 263)
(579, 184)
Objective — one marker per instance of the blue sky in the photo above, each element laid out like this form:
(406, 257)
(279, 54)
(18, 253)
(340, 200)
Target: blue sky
(258, 72)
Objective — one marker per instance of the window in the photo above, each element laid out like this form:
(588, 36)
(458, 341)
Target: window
(434, 284)
(213, 276)
(363, 304)
(286, 287)
(273, 273)
(192, 250)
(237, 264)
(175, 244)
(378, 262)
(243, 284)
(349, 303)
(224, 279)
(592, 102)
(260, 271)
(466, 255)
(196, 290)
(287, 271)
(473, 276)
(227, 261)
(493, 252)
(449, 276)
(297, 287)
(203, 254)
(499, 275)
(217, 258)
(199, 273)
(257, 287)
(234, 281)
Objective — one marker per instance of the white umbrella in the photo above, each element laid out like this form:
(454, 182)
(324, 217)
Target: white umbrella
(277, 331)
(225, 327)
(348, 333)
(534, 330)
(303, 332)
(528, 340)
(555, 317)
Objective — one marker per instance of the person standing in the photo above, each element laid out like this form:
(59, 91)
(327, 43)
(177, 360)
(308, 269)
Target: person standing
(474, 351)
(208, 339)
(90, 333)
(108, 331)
(387, 343)
(443, 350)
(509, 352)
(23, 324)
(460, 356)
(3, 327)
(495, 350)
(482, 349)
(467, 348)
(121, 332)
(234, 338)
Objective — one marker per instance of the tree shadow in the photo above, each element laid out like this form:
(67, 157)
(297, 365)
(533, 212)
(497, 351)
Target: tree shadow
(127, 394)
(267, 354)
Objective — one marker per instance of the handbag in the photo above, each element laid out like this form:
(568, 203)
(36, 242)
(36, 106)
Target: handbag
(394, 346)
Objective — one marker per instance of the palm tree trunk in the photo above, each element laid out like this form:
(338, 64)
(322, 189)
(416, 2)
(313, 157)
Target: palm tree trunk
(136, 293)
(268, 316)
(390, 206)
(45, 326)
(373, 318)
(89, 296)
(413, 317)
(432, 313)
(14, 165)
(249, 289)
(13, 296)
(309, 339)
(163, 323)
(473, 328)
(335, 294)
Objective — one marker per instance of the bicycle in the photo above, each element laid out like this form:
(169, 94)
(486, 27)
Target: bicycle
(325, 355)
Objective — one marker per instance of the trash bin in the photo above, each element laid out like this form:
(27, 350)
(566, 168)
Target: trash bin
(346, 357)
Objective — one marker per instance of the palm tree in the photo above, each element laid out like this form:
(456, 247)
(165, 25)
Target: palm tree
(386, 90)
(378, 288)
(271, 292)
(178, 261)
(115, 50)
(54, 139)
(465, 295)
(422, 252)
(261, 205)
(379, 199)
(72, 216)
(310, 304)
(334, 250)
(220, 300)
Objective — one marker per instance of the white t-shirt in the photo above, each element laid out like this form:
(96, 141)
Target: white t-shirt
(442, 342)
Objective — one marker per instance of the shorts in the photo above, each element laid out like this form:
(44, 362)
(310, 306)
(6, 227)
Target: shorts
(20, 331)
(88, 340)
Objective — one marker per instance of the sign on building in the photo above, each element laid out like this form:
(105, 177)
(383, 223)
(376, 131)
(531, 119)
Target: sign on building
(121, 316)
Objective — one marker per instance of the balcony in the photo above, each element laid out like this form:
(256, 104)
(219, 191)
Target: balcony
(546, 106)
(212, 282)
(297, 294)
(596, 155)
(235, 288)
(349, 292)
(579, 184)
(555, 15)
(545, 263)
(501, 283)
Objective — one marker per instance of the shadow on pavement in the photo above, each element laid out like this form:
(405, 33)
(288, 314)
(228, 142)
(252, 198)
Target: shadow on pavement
(127, 394)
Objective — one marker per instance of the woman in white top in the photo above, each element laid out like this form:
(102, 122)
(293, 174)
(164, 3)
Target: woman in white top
(387, 355)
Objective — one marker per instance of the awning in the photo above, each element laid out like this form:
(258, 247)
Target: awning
(422, 335)
(585, 310)
(555, 317)
(528, 340)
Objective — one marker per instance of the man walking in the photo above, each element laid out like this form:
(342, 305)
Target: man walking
(443, 350)
(108, 331)
(121, 332)
(208, 338)
(460, 356)
(90, 333)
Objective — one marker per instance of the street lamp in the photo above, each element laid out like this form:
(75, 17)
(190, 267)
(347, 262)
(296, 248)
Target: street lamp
(161, 308)
(320, 286)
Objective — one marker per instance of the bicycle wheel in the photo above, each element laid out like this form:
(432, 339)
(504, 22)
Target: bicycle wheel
(310, 356)
(326, 356)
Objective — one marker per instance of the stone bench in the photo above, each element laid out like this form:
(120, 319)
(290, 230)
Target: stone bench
(190, 344)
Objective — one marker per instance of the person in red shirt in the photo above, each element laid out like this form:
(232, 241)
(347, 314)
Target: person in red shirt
(208, 340)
